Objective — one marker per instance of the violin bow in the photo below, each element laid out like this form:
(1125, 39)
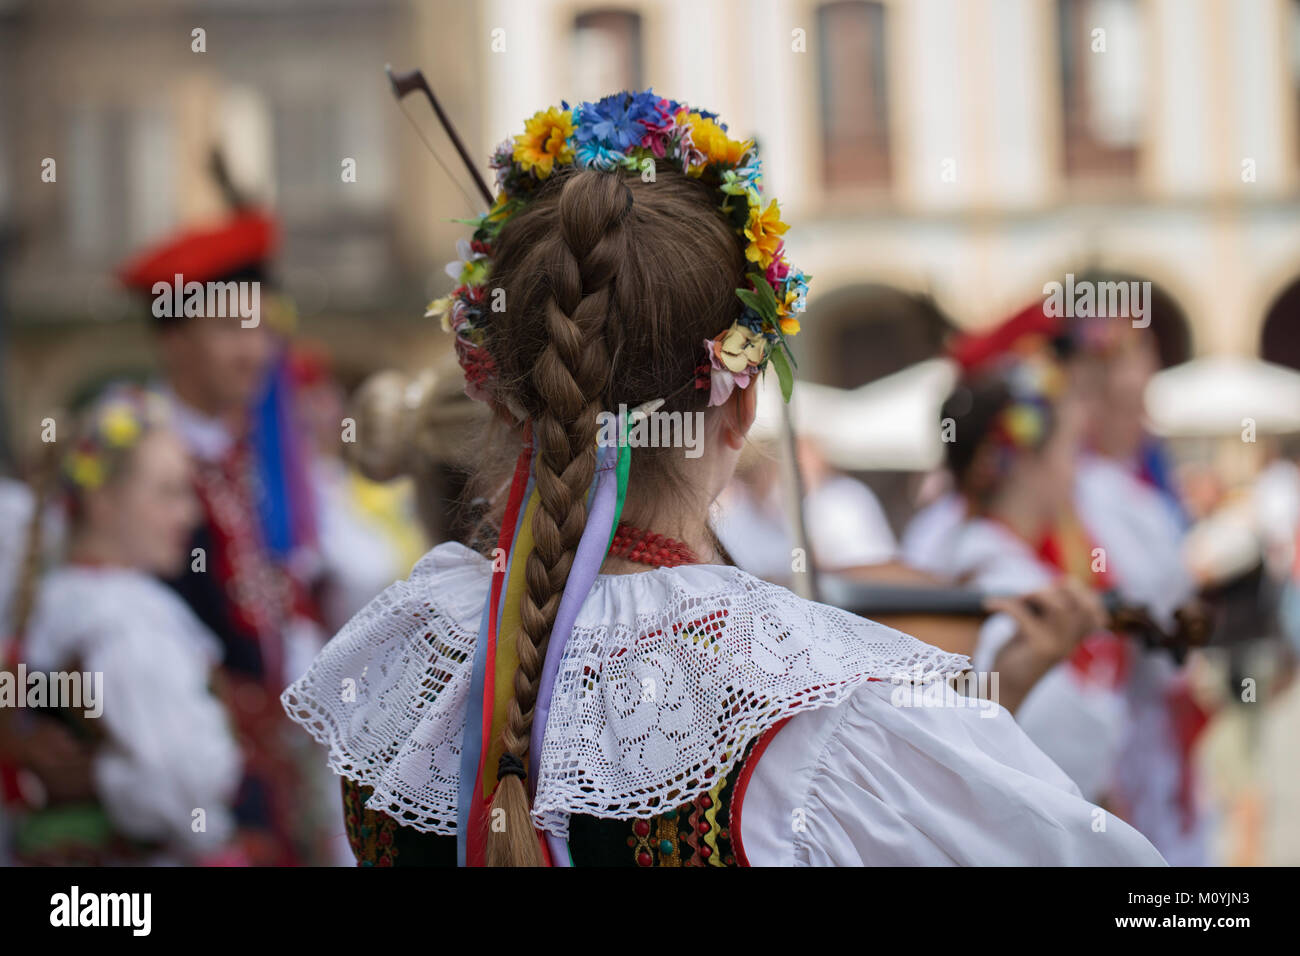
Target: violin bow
(412, 81)
(405, 83)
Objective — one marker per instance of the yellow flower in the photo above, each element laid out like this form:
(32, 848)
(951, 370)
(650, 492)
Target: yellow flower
(441, 308)
(545, 141)
(710, 140)
(1024, 424)
(86, 470)
(787, 318)
(764, 231)
(119, 426)
(498, 210)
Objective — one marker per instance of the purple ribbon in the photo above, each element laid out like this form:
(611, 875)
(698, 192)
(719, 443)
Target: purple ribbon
(587, 560)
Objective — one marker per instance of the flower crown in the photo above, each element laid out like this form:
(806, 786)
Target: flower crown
(112, 425)
(1035, 381)
(634, 132)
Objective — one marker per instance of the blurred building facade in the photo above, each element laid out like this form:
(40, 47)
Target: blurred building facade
(122, 99)
(969, 151)
(940, 160)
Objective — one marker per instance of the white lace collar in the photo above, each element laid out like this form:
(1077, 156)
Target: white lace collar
(667, 677)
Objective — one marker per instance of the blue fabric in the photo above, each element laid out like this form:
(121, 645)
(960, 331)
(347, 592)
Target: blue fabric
(274, 504)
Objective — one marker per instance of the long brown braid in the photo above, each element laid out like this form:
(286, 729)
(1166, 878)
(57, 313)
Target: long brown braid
(611, 284)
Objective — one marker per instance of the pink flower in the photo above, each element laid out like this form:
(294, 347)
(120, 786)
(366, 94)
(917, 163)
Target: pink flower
(721, 379)
(778, 270)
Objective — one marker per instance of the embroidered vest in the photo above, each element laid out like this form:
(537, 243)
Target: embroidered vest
(694, 834)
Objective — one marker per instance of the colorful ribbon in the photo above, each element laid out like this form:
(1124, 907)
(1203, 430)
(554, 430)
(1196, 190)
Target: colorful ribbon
(495, 661)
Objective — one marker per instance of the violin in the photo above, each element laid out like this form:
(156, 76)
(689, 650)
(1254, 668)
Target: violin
(866, 594)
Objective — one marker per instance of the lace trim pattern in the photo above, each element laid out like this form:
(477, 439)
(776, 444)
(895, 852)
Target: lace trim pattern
(667, 677)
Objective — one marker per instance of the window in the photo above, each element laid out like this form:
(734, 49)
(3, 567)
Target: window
(874, 330)
(120, 183)
(1102, 80)
(854, 94)
(606, 53)
(308, 153)
(1280, 337)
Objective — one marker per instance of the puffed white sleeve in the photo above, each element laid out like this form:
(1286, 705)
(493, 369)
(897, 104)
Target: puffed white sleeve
(170, 749)
(879, 780)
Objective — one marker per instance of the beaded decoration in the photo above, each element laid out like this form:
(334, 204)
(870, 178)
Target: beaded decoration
(646, 547)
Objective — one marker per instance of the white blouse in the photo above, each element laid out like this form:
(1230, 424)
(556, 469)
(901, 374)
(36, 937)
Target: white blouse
(1080, 724)
(1142, 536)
(869, 783)
(676, 671)
(169, 749)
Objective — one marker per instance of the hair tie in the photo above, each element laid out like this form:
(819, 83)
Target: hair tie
(510, 764)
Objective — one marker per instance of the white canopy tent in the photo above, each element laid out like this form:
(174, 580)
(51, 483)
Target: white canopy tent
(1217, 394)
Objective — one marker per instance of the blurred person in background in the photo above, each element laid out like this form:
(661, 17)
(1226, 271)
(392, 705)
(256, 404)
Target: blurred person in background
(1012, 454)
(1127, 502)
(16, 510)
(1276, 503)
(750, 517)
(939, 514)
(846, 525)
(165, 764)
(37, 758)
(222, 378)
(1123, 531)
(368, 534)
(927, 539)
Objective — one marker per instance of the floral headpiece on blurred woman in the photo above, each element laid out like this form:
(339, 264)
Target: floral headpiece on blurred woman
(113, 425)
(628, 131)
(1020, 353)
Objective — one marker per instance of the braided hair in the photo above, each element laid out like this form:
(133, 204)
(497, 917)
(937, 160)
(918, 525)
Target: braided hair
(609, 285)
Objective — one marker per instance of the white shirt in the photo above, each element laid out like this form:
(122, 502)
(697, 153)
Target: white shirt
(1139, 530)
(928, 536)
(658, 678)
(1081, 726)
(169, 748)
(846, 528)
(16, 507)
(1142, 536)
(207, 438)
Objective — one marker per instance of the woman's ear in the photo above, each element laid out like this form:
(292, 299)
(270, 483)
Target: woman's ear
(741, 409)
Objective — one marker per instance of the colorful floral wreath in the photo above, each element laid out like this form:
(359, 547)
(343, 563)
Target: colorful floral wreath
(111, 426)
(1034, 382)
(633, 131)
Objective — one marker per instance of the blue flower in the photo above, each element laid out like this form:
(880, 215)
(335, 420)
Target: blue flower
(618, 121)
(797, 282)
(751, 319)
(596, 155)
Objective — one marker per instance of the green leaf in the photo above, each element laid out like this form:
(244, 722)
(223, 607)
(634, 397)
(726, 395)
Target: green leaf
(765, 290)
(758, 304)
(783, 373)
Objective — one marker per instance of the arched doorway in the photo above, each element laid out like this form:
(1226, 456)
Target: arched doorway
(865, 332)
(1279, 339)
